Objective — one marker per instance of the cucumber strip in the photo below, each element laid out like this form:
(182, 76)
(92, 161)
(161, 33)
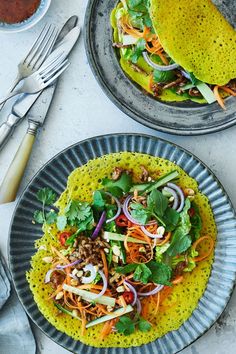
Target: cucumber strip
(118, 237)
(90, 297)
(206, 92)
(62, 309)
(148, 187)
(120, 312)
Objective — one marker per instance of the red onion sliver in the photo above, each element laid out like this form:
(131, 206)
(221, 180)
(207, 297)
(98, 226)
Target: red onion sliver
(139, 306)
(159, 67)
(104, 288)
(175, 195)
(99, 226)
(149, 234)
(180, 193)
(152, 292)
(70, 264)
(89, 268)
(133, 290)
(126, 211)
(118, 208)
(48, 276)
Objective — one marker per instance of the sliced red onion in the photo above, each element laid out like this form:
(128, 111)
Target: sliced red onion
(89, 268)
(99, 226)
(133, 290)
(159, 67)
(104, 288)
(139, 306)
(185, 74)
(70, 264)
(180, 193)
(48, 276)
(152, 292)
(175, 195)
(118, 208)
(149, 234)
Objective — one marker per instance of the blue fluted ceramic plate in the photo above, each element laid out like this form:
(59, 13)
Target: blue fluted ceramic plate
(181, 118)
(54, 174)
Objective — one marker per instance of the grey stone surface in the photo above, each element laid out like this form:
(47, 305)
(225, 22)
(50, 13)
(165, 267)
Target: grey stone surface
(80, 110)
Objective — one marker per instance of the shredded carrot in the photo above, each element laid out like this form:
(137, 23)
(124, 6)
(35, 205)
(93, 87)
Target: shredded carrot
(158, 296)
(107, 328)
(104, 260)
(167, 237)
(178, 280)
(228, 90)
(54, 250)
(122, 301)
(83, 327)
(218, 97)
(207, 254)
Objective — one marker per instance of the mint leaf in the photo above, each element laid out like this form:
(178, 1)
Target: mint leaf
(142, 273)
(39, 217)
(124, 183)
(180, 242)
(143, 325)
(125, 326)
(46, 195)
(51, 217)
(139, 213)
(126, 269)
(61, 222)
(157, 202)
(161, 273)
(196, 222)
(171, 219)
(98, 201)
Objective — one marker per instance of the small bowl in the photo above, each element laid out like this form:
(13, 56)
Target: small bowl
(29, 22)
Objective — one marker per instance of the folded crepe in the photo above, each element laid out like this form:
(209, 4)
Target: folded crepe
(198, 37)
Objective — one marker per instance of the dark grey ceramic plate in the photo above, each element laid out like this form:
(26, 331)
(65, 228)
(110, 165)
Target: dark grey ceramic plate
(186, 118)
(54, 174)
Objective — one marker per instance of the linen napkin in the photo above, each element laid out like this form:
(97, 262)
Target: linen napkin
(15, 333)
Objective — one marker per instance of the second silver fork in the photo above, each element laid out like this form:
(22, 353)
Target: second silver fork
(40, 49)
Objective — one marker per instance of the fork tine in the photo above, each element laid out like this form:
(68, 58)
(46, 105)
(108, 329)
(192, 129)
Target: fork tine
(50, 74)
(66, 64)
(51, 65)
(45, 49)
(36, 44)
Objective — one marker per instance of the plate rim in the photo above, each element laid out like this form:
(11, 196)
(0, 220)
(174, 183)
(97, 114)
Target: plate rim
(104, 137)
(124, 107)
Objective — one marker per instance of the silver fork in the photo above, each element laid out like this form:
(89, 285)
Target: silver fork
(40, 49)
(41, 78)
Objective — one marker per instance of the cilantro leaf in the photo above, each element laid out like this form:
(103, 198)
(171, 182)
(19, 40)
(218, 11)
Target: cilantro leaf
(125, 325)
(61, 222)
(127, 268)
(46, 196)
(160, 273)
(50, 217)
(77, 211)
(137, 51)
(84, 225)
(196, 222)
(142, 273)
(39, 217)
(143, 325)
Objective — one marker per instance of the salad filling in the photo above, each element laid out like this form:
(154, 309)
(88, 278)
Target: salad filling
(119, 255)
(143, 57)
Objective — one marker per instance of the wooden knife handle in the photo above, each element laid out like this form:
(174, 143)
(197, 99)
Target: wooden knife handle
(13, 177)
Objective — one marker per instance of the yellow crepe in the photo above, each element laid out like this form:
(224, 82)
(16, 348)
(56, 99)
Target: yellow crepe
(175, 309)
(197, 36)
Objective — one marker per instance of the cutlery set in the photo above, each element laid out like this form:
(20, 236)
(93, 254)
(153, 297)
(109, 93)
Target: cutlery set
(39, 71)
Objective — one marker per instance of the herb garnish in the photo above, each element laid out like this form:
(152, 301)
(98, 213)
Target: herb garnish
(127, 326)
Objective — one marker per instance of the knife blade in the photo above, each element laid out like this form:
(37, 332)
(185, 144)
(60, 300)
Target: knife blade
(25, 102)
(36, 118)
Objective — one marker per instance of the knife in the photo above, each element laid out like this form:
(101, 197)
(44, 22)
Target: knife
(36, 118)
(66, 40)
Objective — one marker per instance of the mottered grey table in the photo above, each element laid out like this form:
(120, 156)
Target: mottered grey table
(80, 110)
